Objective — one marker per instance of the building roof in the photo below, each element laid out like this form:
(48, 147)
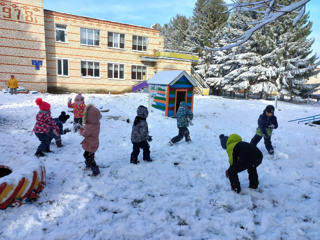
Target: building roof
(170, 77)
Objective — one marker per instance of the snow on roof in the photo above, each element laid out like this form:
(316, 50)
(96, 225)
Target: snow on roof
(170, 77)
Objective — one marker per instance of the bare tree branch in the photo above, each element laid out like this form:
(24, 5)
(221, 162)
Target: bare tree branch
(271, 11)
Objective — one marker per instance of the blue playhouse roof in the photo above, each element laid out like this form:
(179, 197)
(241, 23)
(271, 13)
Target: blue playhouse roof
(170, 77)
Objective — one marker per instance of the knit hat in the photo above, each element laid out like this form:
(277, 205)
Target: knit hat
(142, 111)
(12, 76)
(270, 109)
(63, 117)
(44, 106)
(78, 97)
(223, 141)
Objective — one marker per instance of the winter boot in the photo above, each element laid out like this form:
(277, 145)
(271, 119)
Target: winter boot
(88, 165)
(271, 151)
(170, 143)
(148, 160)
(39, 154)
(59, 144)
(95, 171)
(134, 160)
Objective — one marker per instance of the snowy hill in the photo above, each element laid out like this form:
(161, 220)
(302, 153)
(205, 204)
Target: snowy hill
(183, 193)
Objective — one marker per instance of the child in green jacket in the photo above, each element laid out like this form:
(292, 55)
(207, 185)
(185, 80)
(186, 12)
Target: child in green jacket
(242, 156)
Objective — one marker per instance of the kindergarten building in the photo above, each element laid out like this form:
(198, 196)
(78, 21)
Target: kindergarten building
(53, 51)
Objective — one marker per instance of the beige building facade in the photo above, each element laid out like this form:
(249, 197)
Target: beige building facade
(53, 51)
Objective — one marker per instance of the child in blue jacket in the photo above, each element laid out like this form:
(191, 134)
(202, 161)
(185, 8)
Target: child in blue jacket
(184, 117)
(266, 123)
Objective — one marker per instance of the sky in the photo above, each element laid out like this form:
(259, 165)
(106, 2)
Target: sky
(183, 194)
(146, 13)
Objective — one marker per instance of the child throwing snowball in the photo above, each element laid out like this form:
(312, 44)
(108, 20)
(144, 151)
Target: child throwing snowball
(78, 108)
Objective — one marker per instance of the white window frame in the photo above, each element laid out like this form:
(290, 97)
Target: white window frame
(142, 67)
(114, 37)
(59, 27)
(118, 65)
(87, 69)
(86, 37)
(144, 43)
(62, 67)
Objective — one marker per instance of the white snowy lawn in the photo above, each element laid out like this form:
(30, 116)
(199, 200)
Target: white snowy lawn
(183, 193)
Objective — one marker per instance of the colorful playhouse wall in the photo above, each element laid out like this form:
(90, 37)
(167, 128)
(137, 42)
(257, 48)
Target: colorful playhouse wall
(168, 89)
(182, 90)
(158, 96)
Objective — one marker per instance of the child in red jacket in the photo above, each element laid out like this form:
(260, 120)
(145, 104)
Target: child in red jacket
(42, 127)
(78, 108)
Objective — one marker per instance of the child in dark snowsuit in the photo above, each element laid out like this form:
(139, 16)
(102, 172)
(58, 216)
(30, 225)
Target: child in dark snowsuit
(90, 132)
(266, 123)
(42, 127)
(242, 156)
(78, 109)
(59, 121)
(184, 116)
(140, 136)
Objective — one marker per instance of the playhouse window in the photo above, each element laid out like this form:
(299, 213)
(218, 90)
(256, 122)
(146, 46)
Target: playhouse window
(90, 69)
(115, 71)
(139, 43)
(138, 72)
(90, 37)
(115, 40)
(61, 33)
(62, 67)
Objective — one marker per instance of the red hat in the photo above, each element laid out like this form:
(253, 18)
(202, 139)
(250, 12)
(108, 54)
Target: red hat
(44, 106)
(12, 76)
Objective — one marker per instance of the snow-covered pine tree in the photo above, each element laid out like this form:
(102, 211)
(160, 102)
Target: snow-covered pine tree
(289, 54)
(238, 68)
(207, 23)
(177, 34)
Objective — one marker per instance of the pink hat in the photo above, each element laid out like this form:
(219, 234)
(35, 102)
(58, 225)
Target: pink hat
(44, 106)
(78, 97)
(12, 76)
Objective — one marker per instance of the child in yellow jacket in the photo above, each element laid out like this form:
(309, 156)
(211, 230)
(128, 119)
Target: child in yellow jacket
(13, 85)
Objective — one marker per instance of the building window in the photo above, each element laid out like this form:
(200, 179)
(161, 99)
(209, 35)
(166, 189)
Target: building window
(62, 67)
(90, 69)
(139, 43)
(90, 37)
(61, 33)
(115, 71)
(138, 72)
(115, 40)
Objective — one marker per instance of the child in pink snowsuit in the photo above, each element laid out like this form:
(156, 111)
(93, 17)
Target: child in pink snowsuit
(78, 108)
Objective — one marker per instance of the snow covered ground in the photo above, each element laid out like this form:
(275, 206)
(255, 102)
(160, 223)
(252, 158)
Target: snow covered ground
(184, 193)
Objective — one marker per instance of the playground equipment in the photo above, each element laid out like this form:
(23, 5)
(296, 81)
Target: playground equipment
(20, 182)
(312, 119)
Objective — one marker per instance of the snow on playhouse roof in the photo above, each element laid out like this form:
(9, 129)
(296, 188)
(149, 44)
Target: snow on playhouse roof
(170, 77)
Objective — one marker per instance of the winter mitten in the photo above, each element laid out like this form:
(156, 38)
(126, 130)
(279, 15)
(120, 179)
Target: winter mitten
(150, 139)
(272, 126)
(190, 122)
(56, 132)
(227, 173)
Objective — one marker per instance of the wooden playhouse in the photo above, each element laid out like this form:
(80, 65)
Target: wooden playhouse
(168, 88)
